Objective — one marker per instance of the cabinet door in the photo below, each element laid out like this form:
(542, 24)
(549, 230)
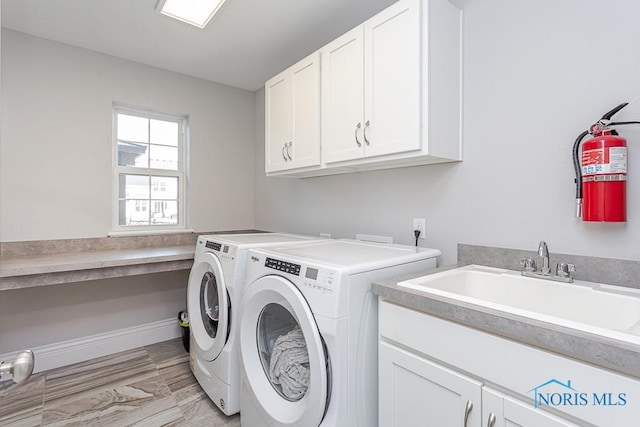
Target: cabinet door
(509, 412)
(392, 80)
(277, 122)
(414, 391)
(305, 104)
(343, 97)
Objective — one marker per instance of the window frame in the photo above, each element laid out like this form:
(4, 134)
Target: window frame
(181, 173)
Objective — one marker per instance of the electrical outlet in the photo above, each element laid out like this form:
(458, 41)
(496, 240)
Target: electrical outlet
(420, 224)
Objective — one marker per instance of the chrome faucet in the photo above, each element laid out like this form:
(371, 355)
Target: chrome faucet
(530, 267)
(543, 256)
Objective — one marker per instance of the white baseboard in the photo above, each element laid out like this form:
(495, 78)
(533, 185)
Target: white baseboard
(64, 353)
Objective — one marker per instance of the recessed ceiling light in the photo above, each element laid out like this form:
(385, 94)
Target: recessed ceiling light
(195, 12)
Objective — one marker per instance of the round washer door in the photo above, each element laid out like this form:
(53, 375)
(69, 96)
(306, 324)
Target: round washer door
(283, 355)
(208, 305)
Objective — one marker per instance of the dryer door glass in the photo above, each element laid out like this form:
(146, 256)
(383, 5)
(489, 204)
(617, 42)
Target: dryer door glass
(283, 352)
(209, 304)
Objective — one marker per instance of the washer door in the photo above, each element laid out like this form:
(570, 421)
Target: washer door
(208, 306)
(284, 358)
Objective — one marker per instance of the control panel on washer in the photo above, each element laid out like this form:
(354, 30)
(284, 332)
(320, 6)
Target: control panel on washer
(223, 251)
(312, 278)
(284, 266)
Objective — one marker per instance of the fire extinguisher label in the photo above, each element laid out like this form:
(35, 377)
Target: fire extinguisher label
(604, 161)
(618, 159)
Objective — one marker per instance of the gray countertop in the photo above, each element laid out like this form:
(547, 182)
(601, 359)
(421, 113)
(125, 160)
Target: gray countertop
(53, 263)
(602, 351)
(26, 264)
(48, 269)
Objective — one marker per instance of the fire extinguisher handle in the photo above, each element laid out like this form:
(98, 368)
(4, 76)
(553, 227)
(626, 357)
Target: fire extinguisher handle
(609, 114)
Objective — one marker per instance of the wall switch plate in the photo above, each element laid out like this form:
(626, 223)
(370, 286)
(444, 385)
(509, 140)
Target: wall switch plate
(420, 224)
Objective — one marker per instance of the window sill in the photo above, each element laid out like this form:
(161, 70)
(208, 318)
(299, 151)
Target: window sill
(132, 233)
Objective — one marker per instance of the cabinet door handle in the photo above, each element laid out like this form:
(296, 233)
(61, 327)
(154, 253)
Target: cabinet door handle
(356, 134)
(467, 411)
(288, 147)
(491, 420)
(364, 132)
(284, 155)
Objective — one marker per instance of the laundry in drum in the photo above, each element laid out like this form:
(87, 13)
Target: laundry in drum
(289, 364)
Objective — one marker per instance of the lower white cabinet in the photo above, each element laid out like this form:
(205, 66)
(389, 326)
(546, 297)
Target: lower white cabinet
(417, 392)
(499, 410)
(433, 372)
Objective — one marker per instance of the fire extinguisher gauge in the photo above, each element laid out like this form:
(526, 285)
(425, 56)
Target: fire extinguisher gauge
(596, 128)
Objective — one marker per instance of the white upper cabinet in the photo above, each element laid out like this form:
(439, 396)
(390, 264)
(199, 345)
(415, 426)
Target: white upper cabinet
(343, 97)
(390, 96)
(371, 87)
(292, 117)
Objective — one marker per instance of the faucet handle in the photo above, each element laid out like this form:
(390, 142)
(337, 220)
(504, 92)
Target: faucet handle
(528, 264)
(564, 269)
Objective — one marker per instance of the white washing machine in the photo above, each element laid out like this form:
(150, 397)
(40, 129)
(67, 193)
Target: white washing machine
(309, 331)
(214, 294)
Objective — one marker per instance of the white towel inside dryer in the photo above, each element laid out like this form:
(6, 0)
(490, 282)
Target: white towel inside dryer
(289, 365)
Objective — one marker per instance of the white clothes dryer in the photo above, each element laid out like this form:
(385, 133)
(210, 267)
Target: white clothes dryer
(214, 294)
(309, 331)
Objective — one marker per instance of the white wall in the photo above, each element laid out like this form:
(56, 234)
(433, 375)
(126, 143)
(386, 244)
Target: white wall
(55, 177)
(56, 146)
(34, 317)
(537, 73)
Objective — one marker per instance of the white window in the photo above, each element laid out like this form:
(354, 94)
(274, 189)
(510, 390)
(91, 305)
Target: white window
(149, 169)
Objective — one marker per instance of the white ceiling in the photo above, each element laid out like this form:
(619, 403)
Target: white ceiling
(248, 41)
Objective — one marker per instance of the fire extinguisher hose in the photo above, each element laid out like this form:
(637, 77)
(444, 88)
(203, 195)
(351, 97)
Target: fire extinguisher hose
(576, 166)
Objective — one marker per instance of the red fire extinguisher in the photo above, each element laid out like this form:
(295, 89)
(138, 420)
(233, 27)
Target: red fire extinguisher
(601, 171)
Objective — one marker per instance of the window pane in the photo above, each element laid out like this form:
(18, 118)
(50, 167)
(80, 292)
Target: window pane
(122, 213)
(132, 128)
(136, 187)
(164, 188)
(165, 133)
(136, 212)
(146, 141)
(163, 157)
(164, 212)
(133, 154)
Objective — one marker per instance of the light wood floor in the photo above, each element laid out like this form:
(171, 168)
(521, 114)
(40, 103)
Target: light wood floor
(147, 386)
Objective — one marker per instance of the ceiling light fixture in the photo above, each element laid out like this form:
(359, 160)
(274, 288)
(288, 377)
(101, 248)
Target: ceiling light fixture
(194, 12)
